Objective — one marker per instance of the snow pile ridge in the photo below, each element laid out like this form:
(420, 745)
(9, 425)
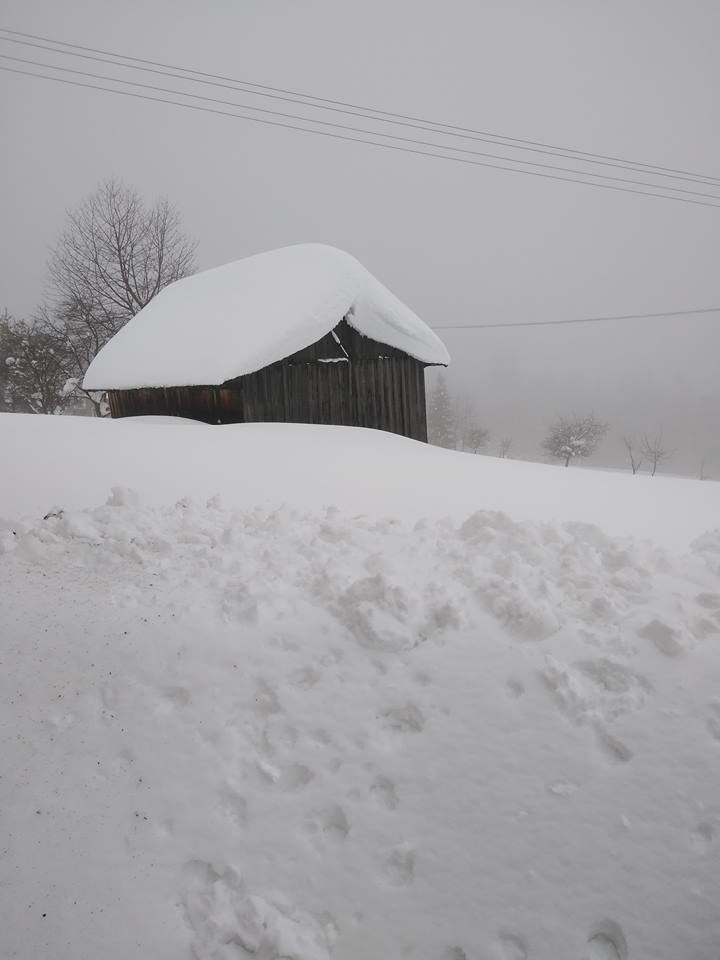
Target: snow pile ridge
(532, 578)
(236, 319)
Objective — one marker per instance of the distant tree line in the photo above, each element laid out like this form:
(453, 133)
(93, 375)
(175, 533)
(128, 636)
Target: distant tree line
(453, 422)
(113, 257)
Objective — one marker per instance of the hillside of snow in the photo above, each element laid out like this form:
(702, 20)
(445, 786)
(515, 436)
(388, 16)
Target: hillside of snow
(276, 691)
(74, 461)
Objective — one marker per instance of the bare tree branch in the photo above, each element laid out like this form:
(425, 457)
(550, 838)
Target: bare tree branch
(114, 256)
(652, 448)
(634, 455)
(475, 438)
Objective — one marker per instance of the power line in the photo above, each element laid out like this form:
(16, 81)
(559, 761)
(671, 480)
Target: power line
(557, 323)
(384, 116)
(388, 146)
(242, 86)
(361, 130)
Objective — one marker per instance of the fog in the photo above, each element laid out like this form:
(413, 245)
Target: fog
(645, 376)
(460, 244)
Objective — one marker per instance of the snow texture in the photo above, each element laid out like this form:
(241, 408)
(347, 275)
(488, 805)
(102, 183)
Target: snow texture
(238, 318)
(251, 732)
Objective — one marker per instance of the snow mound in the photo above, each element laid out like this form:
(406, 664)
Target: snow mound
(74, 461)
(281, 733)
(238, 318)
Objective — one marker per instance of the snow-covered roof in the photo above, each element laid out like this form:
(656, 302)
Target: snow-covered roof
(236, 319)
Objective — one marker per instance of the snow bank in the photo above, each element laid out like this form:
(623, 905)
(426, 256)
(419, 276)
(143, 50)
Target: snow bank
(241, 729)
(236, 319)
(74, 461)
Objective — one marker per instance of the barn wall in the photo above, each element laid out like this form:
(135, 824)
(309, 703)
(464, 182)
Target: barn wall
(385, 393)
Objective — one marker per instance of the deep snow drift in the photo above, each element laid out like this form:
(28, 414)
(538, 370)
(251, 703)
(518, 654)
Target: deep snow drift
(74, 461)
(311, 717)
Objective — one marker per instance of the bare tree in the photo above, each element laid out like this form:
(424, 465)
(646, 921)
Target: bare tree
(571, 437)
(634, 455)
(475, 438)
(504, 448)
(653, 450)
(114, 256)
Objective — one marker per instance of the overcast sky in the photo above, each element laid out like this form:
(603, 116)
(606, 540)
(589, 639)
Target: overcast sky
(458, 243)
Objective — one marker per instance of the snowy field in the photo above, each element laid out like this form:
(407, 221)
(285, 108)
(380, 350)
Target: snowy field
(274, 691)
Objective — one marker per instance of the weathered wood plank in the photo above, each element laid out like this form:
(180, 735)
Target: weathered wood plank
(385, 391)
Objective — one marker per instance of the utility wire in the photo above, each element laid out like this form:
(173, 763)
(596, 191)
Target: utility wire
(345, 107)
(557, 323)
(375, 143)
(242, 86)
(361, 130)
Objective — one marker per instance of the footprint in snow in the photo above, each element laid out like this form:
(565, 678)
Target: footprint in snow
(291, 778)
(713, 721)
(708, 601)
(295, 777)
(596, 692)
(513, 946)
(330, 823)
(266, 700)
(305, 678)
(405, 719)
(515, 688)
(702, 628)
(606, 942)
(614, 748)
(321, 736)
(702, 836)
(278, 735)
(666, 640)
(383, 792)
(172, 699)
(399, 867)
(614, 677)
(234, 807)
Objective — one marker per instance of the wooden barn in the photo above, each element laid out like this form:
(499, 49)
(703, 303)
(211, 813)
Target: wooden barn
(300, 335)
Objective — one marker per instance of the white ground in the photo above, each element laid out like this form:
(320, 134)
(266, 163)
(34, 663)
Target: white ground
(315, 717)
